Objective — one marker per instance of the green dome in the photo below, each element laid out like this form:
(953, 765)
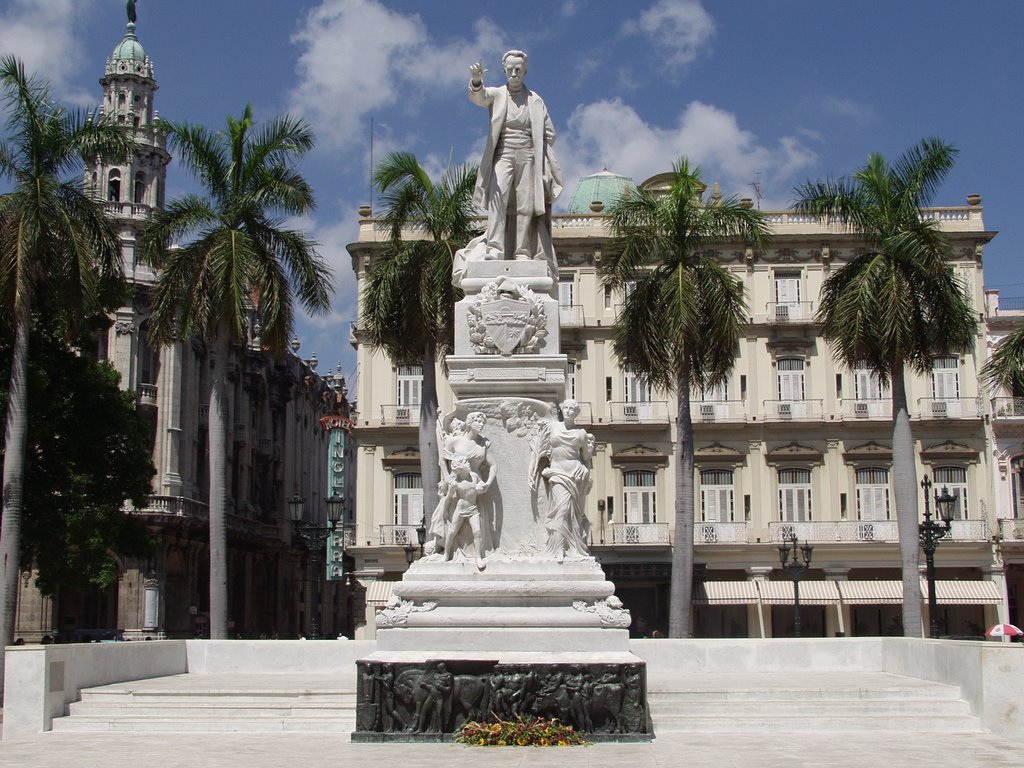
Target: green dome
(606, 187)
(129, 49)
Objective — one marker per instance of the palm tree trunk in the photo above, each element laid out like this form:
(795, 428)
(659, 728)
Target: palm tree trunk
(681, 588)
(219, 486)
(15, 436)
(430, 471)
(904, 470)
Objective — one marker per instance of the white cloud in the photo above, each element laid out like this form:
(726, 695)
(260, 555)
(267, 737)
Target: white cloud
(680, 29)
(611, 133)
(358, 57)
(570, 8)
(850, 110)
(44, 36)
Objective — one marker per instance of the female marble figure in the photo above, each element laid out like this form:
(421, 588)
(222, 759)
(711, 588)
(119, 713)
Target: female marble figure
(568, 450)
(464, 440)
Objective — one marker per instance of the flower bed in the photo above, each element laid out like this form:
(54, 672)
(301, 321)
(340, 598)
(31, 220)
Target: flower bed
(520, 732)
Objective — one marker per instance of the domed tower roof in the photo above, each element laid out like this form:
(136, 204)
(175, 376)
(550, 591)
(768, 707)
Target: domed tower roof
(605, 187)
(129, 57)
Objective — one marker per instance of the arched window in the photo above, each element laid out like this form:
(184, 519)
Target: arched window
(140, 188)
(716, 496)
(794, 495)
(114, 186)
(640, 496)
(873, 493)
(954, 479)
(408, 499)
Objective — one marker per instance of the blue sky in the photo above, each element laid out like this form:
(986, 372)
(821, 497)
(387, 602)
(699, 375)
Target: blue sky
(777, 91)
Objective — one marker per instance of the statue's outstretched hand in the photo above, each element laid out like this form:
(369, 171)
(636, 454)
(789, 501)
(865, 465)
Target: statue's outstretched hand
(476, 72)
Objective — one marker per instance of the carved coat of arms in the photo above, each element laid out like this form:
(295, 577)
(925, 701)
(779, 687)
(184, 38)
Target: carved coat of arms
(506, 318)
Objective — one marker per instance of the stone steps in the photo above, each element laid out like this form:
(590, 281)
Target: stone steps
(697, 703)
(839, 703)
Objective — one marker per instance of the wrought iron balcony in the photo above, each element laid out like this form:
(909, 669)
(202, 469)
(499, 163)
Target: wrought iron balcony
(875, 408)
(401, 415)
(793, 410)
(640, 533)
(949, 407)
(571, 316)
(718, 411)
(1012, 529)
(650, 412)
(785, 312)
(1008, 408)
(398, 535)
(834, 531)
(719, 533)
(969, 530)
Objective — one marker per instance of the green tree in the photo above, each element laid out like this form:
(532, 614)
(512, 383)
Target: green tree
(408, 307)
(897, 305)
(55, 242)
(681, 321)
(238, 275)
(1005, 369)
(88, 452)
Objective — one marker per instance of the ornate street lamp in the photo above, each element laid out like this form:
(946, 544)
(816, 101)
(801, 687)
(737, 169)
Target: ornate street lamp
(410, 548)
(314, 539)
(930, 532)
(796, 569)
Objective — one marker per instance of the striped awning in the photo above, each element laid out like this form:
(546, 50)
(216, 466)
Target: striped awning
(811, 592)
(882, 592)
(378, 593)
(725, 593)
(964, 592)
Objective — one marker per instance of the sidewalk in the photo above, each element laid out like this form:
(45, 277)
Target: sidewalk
(224, 750)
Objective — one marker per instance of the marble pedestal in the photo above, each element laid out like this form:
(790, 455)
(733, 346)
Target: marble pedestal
(534, 628)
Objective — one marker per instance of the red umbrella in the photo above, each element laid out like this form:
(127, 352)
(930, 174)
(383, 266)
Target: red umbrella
(1004, 630)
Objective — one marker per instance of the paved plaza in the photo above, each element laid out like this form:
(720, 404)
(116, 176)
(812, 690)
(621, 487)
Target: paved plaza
(224, 750)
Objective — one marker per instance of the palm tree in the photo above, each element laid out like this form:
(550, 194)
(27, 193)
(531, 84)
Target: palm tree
(896, 305)
(57, 247)
(681, 321)
(238, 276)
(1005, 369)
(408, 305)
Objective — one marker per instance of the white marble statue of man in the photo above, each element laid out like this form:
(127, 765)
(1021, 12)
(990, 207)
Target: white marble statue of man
(519, 176)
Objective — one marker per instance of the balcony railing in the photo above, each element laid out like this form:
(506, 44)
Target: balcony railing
(650, 412)
(793, 410)
(790, 311)
(834, 530)
(969, 530)
(720, 533)
(586, 414)
(571, 316)
(398, 535)
(402, 415)
(879, 408)
(949, 407)
(1012, 530)
(148, 394)
(718, 411)
(175, 506)
(640, 533)
(1008, 408)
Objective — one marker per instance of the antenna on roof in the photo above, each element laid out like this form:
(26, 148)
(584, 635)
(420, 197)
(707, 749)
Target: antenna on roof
(756, 184)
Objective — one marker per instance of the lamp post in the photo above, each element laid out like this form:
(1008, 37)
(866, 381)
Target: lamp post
(410, 548)
(314, 539)
(931, 532)
(796, 569)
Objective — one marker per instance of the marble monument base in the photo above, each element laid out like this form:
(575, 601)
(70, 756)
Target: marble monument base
(415, 696)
